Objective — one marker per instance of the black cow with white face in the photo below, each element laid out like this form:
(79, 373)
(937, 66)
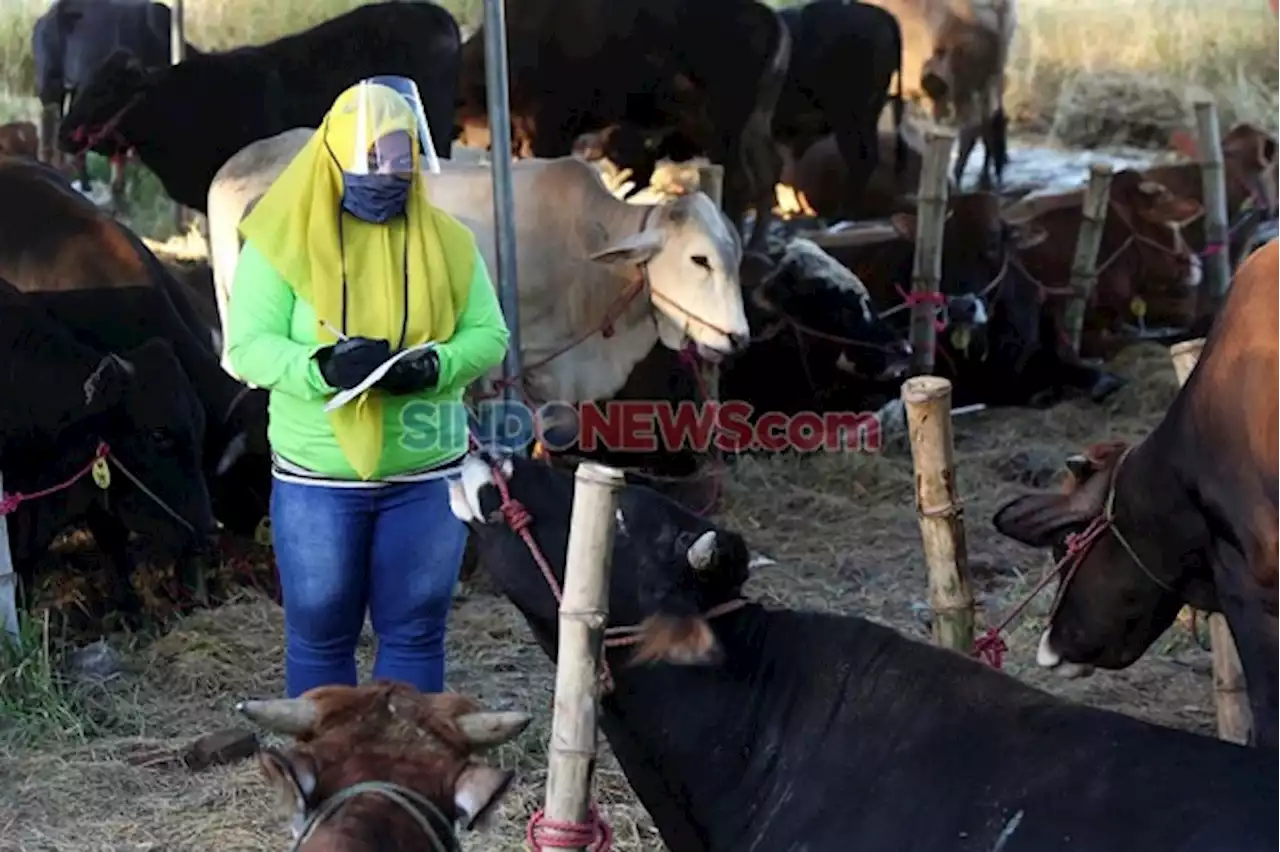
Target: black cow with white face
(741, 726)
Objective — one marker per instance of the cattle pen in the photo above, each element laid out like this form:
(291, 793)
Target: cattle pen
(93, 734)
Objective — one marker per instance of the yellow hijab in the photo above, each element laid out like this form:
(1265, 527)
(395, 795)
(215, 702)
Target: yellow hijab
(296, 226)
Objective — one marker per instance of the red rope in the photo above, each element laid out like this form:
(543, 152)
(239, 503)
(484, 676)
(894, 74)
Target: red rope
(594, 834)
(10, 502)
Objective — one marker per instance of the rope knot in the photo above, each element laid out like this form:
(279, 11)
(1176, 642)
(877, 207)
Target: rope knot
(516, 515)
(594, 834)
(990, 647)
(10, 503)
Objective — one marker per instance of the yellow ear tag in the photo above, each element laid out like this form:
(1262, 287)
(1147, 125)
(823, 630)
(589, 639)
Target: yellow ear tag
(960, 337)
(539, 451)
(262, 533)
(102, 474)
(1138, 307)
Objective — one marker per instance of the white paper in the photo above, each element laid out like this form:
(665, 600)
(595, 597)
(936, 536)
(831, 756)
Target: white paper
(341, 398)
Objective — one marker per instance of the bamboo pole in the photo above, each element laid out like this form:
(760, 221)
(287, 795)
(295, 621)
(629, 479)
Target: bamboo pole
(1084, 265)
(1217, 256)
(584, 612)
(928, 403)
(926, 272)
(1235, 719)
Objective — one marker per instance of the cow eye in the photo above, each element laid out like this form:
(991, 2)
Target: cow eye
(700, 260)
(161, 438)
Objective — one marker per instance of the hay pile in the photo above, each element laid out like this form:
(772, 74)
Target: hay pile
(843, 533)
(1119, 108)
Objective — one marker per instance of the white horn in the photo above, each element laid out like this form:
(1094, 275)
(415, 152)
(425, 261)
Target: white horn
(484, 729)
(702, 551)
(282, 715)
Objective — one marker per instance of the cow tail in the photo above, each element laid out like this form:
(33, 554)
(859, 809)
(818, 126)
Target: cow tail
(899, 143)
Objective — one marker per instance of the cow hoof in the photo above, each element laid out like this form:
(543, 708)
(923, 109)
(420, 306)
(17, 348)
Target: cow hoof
(1106, 385)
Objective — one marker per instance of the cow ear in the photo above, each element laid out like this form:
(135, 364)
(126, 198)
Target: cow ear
(107, 383)
(635, 248)
(1041, 519)
(292, 774)
(904, 224)
(478, 789)
(681, 640)
(1028, 235)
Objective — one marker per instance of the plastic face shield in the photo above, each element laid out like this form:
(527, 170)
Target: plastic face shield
(388, 129)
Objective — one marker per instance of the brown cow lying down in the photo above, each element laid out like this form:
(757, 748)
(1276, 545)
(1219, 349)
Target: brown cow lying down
(819, 173)
(417, 749)
(1249, 161)
(1147, 273)
(19, 139)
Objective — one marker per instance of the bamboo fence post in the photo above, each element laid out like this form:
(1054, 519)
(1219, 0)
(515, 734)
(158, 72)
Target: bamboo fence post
(941, 516)
(584, 613)
(1084, 265)
(1235, 719)
(926, 272)
(1217, 253)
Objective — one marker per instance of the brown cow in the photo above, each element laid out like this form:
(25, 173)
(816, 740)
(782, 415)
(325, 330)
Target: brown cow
(954, 54)
(819, 173)
(412, 746)
(1186, 516)
(20, 139)
(1146, 270)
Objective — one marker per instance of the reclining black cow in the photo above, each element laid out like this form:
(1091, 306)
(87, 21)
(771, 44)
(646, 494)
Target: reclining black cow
(712, 68)
(62, 399)
(73, 37)
(97, 278)
(741, 726)
(187, 120)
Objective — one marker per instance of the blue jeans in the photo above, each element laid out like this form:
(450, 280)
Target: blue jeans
(395, 550)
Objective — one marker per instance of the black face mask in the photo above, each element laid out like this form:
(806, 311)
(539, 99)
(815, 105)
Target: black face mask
(375, 198)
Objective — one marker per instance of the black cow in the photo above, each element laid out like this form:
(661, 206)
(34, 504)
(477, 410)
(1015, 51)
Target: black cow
(712, 68)
(838, 733)
(97, 278)
(1192, 511)
(62, 397)
(72, 38)
(844, 56)
(998, 344)
(187, 120)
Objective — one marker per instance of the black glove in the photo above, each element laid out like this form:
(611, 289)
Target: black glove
(412, 373)
(348, 362)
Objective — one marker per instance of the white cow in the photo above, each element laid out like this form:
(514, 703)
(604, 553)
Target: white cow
(577, 250)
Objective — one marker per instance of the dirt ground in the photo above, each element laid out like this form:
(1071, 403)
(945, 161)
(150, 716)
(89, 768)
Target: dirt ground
(841, 528)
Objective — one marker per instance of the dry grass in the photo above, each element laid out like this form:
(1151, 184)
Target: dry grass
(841, 528)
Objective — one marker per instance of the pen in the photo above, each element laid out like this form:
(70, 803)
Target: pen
(335, 332)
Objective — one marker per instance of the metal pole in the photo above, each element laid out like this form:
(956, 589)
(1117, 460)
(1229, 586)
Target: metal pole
(495, 73)
(177, 52)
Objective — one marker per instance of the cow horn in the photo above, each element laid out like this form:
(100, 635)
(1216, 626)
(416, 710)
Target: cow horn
(703, 551)
(282, 715)
(1079, 465)
(233, 452)
(490, 728)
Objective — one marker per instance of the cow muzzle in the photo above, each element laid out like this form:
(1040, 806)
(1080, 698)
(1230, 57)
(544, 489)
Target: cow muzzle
(1048, 658)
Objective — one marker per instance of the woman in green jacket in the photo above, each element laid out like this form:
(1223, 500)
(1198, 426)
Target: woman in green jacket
(346, 263)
